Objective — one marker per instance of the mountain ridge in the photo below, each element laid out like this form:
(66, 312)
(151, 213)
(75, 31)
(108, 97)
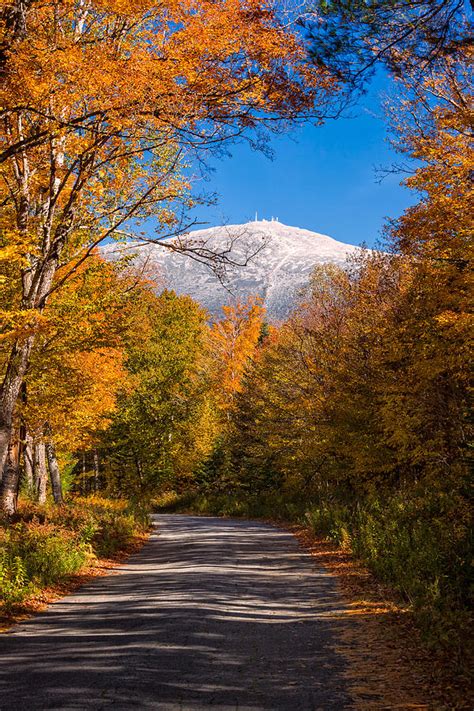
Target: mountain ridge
(265, 258)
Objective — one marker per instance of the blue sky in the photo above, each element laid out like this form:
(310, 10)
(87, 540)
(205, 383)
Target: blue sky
(321, 178)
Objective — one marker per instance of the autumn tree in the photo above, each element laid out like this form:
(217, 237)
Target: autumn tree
(232, 341)
(309, 406)
(103, 103)
(73, 373)
(433, 125)
(162, 427)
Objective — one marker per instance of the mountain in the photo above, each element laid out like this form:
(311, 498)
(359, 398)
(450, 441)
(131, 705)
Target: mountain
(268, 258)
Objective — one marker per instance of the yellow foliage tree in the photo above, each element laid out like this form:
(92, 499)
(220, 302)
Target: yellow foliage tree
(76, 367)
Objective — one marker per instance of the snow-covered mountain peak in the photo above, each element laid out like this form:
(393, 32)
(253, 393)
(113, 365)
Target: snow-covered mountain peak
(264, 257)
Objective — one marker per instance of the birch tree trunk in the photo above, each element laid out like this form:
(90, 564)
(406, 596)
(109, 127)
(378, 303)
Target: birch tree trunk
(54, 473)
(10, 480)
(10, 393)
(37, 280)
(28, 461)
(41, 475)
(83, 482)
(96, 470)
(37, 283)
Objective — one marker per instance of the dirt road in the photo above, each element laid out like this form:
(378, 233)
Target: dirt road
(212, 613)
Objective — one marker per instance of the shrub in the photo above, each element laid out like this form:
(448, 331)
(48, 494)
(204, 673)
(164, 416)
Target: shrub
(14, 584)
(48, 553)
(47, 544)
(171, 501)
(115, 532)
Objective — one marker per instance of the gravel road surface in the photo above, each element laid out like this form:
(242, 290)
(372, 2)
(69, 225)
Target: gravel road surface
(211, 613)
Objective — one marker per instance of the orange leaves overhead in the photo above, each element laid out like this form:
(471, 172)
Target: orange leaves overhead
(167, 66)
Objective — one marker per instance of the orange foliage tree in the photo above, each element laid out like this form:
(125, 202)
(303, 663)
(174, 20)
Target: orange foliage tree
(232, 341)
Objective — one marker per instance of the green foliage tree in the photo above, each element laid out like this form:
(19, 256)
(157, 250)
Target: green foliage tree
(163, 426)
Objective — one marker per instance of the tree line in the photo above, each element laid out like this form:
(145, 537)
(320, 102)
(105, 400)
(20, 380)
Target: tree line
(356, 414)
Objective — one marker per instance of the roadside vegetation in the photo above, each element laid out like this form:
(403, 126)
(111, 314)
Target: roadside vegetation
(47, 545)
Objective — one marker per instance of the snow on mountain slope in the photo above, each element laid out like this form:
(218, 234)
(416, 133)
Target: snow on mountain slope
(272, 260)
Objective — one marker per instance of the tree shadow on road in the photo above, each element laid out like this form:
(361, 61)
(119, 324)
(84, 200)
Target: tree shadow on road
(212, 612)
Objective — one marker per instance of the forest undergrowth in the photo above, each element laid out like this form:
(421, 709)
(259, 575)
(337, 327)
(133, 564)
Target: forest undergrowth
(46, 547)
